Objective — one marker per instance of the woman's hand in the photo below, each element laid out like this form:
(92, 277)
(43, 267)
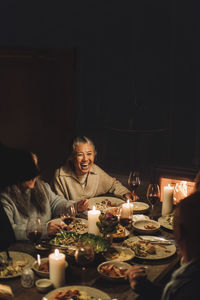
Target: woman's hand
(82, 205)
(53, 227)
(136, 275)
(131, 197)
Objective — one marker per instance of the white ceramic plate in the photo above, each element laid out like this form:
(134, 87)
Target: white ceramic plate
(79, 225)
(91, 292)
(139, 207)
(140, 217)
(120, 265)
(119, 253)
(19, 258)
(166, 222)
(146, 226)
(102, 203)
(162, 251)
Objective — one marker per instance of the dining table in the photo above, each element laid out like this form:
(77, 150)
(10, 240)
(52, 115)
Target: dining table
(158, 271)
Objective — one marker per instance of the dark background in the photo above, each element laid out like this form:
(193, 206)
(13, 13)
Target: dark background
(125, 73)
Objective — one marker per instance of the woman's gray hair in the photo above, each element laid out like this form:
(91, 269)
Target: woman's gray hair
(77, 140)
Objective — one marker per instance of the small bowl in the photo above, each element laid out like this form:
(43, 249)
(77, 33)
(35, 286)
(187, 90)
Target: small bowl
(43, 285)
(118, 264)
(146, 226)
(35, 267)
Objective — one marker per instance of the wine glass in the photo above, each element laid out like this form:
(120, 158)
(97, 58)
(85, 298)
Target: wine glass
(134, 181)
(84, 255)
(153, 195)
(67, 213)
(34, 230)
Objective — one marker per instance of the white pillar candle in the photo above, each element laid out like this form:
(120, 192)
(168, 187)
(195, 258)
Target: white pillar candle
(93, 218)
(127, 210)
(57, 265)
(167, 205)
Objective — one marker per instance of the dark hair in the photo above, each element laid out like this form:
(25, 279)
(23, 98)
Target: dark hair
(16, 165)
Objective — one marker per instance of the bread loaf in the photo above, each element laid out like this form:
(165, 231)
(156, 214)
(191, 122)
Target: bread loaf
(5, 292)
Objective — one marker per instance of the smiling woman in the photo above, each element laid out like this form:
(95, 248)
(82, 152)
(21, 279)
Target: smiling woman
(80, 178)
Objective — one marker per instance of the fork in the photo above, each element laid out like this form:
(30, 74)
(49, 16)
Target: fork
(9, 259)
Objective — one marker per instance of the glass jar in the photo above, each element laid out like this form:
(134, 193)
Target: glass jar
(27, 278)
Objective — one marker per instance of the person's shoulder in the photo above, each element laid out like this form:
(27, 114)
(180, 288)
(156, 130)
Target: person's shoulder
(98, 170)
(64, 170)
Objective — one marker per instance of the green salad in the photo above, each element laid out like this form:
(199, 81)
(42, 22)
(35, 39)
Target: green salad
(71, 239)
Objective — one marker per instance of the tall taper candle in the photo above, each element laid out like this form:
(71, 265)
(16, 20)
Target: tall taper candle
(57, 265)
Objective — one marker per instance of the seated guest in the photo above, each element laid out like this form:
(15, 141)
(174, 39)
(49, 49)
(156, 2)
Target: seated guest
(31, 198)
(15, 165)
(80, 178)
(184, 283)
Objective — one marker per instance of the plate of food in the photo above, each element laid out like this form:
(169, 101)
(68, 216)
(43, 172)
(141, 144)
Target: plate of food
(103, 203)
(20, 260)
(146, 226)
(68, 242)
(150, 247)
(78, 225)
(140, 207)
(167, 221)
(119, 253)
(78, 292)
(113, 270)
(121, 233)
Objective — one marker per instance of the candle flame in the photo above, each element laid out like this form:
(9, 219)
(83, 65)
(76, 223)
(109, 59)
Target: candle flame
(38, 259)
(56, 252)
(93, 208)
(128, 201)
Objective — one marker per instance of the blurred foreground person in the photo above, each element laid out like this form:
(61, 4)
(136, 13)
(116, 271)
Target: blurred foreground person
(80, 178)
(185, 281)
(32, 198)
(15, 165)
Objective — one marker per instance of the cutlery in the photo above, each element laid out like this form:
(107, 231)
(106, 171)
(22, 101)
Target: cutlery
(9, 259)
(160, 241)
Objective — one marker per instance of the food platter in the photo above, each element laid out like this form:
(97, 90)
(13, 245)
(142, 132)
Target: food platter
(87, 293)
(113, 270)
(119, 253)
(103, 203)
(146, 226)
(166, 221)
(78, 225)
(121, 233)
(41, 270)
(140, 207)
(20, 260)
(154, 250)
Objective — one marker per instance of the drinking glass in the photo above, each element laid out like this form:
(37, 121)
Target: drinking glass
(67, 213)
(153, 195)
(134, 180)
(84, 255)
(34, 230)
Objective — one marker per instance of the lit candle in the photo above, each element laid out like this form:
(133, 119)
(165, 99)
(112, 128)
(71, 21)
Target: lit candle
(127, 210)
(167, 205)
(57, 266)
(93, 218)
(38, 259)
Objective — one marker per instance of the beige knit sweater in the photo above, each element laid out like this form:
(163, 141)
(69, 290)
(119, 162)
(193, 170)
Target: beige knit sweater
(66, 184)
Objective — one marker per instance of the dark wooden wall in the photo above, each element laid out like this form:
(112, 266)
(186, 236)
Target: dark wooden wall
(37, 102)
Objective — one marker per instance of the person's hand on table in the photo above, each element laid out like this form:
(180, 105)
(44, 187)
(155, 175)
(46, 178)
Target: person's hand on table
(131, 197)
(136, 276)
(53, 227)
(82, 205)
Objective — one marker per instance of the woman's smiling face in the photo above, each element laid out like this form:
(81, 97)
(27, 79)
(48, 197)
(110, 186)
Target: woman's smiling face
(83, 158)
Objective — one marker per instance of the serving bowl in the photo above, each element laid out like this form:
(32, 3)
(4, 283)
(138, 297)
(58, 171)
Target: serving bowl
(41, 270)
(113, 270)
(146, 226)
